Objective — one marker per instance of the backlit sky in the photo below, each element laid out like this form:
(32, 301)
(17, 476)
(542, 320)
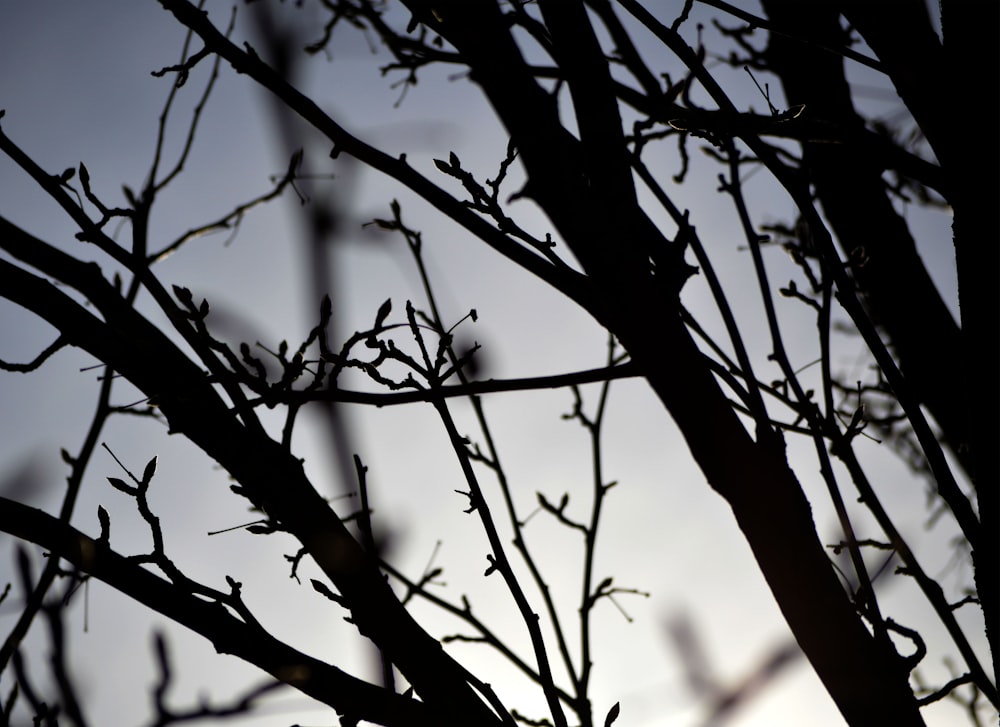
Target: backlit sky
(76, 86)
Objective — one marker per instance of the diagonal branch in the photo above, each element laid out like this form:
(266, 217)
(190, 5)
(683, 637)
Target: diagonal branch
(271, 477)
(325, 683)
(562, 278)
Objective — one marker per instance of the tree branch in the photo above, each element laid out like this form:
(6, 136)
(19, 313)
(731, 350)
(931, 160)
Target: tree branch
(349, 695)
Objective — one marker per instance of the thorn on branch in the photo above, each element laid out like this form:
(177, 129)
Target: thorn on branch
(243, 526)
(148, 472)
(261, 528)
(123, 486)
(105, 521)
(473, 501)
(295, 560)
(792, 291)
(612, 714)
(493, 567)
(324, 590)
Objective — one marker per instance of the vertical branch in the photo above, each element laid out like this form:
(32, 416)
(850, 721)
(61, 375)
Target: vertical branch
(498, 560)
(414, 243)
(779, 354)
(587, 596)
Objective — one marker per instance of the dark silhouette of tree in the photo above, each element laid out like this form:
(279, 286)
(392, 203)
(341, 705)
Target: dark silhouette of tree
(588, 115)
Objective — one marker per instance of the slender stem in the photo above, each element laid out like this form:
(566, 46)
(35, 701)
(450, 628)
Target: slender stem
(503, 566)
(734, 187)
(545, 678)
(594, 428)
(471, 387)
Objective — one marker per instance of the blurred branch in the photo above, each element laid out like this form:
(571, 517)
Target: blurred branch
(167, 716)
(722, 701)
